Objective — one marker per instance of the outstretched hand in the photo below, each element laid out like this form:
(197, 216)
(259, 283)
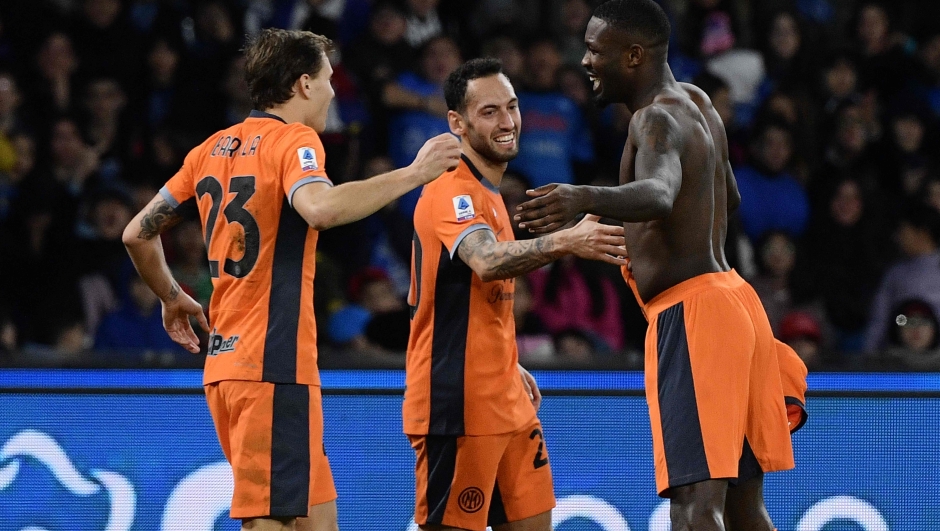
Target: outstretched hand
(176, 314)
(593, 240)
(551, 208)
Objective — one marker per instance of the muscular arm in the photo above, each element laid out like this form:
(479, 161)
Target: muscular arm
(493, 260)
(651, 196)
(141, 238)
(658, 173)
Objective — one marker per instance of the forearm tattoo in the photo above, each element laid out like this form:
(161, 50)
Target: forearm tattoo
(507, 259)
(160, 218)
(174, 292)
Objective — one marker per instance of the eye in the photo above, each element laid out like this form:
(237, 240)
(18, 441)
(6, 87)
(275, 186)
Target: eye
(489, 112)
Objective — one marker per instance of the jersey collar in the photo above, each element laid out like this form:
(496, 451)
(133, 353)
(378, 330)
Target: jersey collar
(262, 114)
(476, 173)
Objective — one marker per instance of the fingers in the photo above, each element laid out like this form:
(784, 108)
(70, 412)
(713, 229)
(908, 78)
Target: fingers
(610, 259)
(535, 394)
(533, 204)
(592, 217)
(541, 190)
(201, 318)
(183, 335)
(551, 227)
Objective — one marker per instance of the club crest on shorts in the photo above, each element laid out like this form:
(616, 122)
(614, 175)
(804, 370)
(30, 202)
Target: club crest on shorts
(470, 500)
(463, 207)
(308, 158)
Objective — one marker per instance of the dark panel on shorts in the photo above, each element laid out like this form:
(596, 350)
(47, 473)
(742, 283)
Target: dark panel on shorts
(442, 462)
(497, 514)
(449, 344)
(678, 410)
(290, 451)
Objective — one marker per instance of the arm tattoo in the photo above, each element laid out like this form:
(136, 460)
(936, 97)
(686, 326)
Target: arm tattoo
(507, 259)
(658, 130)
(174, 292)
(160, 218)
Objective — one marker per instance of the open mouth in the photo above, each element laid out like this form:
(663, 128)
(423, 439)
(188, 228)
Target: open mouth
(595, 82)
(506, 140)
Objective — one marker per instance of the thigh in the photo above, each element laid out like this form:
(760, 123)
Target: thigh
(523, 487)
(455, 479)
(698, 505)
(697, 373)
(322, 517)
(539, 522)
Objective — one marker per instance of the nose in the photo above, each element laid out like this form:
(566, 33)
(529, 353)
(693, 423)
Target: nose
(586, 59)
(506, 121)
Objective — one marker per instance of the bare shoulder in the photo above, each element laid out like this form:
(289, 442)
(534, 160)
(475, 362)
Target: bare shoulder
(657, 126)
(698, 96)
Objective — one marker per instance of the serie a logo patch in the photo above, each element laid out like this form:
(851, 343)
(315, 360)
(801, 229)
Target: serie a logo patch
(308, 159)
(463, 208)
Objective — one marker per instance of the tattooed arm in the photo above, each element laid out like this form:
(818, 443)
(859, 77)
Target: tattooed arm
(141, 238)
(495, 260)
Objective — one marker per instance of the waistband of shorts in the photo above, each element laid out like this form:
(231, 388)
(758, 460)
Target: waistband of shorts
(686, 288)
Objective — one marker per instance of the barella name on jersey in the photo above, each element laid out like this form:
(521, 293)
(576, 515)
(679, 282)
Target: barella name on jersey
(220, 345)
(228, 145)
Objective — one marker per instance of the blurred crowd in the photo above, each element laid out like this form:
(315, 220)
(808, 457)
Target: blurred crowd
(831, 108)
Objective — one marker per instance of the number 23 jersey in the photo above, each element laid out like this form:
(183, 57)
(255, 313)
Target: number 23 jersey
(262, 253)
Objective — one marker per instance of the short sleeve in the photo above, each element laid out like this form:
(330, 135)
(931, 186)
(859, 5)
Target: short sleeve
(459, 210)
(303, 161)
(181, 187)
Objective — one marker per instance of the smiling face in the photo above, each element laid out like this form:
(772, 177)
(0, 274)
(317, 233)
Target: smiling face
(603, 62)
(491, 122)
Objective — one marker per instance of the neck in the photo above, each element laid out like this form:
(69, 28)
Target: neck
(491, 171)
(646, 92)
(287, 111)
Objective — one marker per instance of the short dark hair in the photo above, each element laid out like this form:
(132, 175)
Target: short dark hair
(455, 88)
(644, 18)
(275, 58)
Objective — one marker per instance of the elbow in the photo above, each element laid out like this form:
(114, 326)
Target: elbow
(320, 217)
(129, 237)
(663, 206)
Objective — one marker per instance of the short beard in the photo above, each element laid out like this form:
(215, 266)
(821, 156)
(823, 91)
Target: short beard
(601, 101)
(482, 146)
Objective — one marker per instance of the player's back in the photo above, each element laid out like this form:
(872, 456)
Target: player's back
(678, 247)
(261, 252)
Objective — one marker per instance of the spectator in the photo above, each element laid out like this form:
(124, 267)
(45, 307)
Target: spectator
(133, 334)
(839, 88)
(422, 110)
(377, 59)
(572, 293)
(776, 260)
(905, 158)
(388, 235)
(913, 338)
(771, 198)
(9, 341)
(573, 347)
(785, 55)
(843, 258)
(507, 50)
(189, 262)
(164, 100)
(105, 43)
(424, 22)
(13, 119)
(884, 67)
(574, 15)
(556, 144)
(24, 162)
(65, 343)
(803, 333)
(374, 305)
(106, 129)
(930, 72)
(916, 275)
(849, 156)
(534, 343)
(54, 89)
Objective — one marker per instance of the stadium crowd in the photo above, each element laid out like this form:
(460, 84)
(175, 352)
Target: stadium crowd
(831, 107)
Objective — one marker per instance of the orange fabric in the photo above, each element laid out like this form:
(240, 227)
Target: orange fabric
(737, 385)
(482, 462)
(243, 416)
(242, 177)
(793, 378)
(479, 337)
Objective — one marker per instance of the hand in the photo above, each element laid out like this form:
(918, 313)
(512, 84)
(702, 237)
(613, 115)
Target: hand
(596, 241)
(438, 155)
(554, 206)
(176, 313)
(531, 388)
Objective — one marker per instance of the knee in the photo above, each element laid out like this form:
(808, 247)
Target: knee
(696, 516)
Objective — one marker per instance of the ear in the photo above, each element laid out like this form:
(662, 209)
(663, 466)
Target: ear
(634, 56)
(304, 86)
(458, 125)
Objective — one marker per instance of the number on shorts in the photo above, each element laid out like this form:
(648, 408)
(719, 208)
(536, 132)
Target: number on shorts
(539, 460)
(243, 187)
